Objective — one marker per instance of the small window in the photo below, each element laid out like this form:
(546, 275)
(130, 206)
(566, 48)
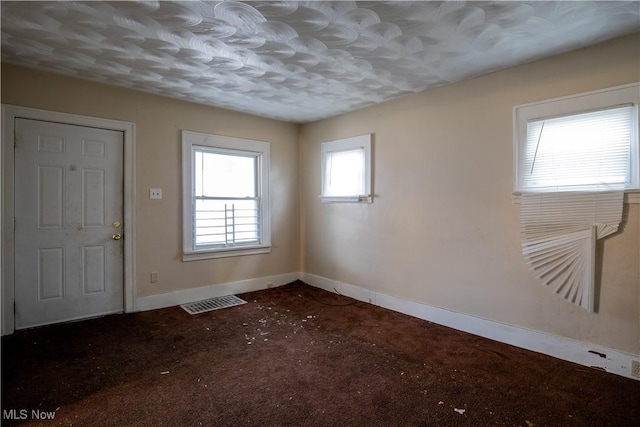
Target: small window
(587, 142)
(226, 196)
(346, 170)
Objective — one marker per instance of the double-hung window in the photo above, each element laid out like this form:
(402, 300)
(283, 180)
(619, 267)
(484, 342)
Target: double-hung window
(226, 199)
(574, 158)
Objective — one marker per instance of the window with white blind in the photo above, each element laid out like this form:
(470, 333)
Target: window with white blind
(346, 170)
(586, 142)
(574, 159)
(225, 196)
(580, 152)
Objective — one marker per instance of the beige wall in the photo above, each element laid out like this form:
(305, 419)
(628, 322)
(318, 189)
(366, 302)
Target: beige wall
(158, 122)
(443, 229)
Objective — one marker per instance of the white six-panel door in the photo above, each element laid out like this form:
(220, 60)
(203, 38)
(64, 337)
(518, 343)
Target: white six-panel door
(68, 222)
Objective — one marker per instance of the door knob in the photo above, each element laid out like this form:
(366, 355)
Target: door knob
(117, 236)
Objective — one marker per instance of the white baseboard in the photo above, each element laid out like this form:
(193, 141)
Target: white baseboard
(582, 353)
(171, 299)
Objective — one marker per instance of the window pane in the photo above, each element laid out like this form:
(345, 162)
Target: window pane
(588, 151)
(226, 222)
(224, 175)
(344, 173)
(209, 222)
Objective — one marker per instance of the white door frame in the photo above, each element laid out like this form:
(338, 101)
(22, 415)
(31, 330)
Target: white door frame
(9, 114)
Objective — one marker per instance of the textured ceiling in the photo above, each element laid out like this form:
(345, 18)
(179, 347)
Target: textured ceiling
(297, 61)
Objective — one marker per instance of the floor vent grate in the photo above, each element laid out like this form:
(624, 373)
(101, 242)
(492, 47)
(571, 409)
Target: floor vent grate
(212, 304)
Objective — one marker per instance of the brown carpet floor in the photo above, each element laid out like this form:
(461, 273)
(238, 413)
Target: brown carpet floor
(295, 356)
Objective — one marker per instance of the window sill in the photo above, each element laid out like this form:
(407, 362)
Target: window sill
(225, 253)
(631, 197)
(347, 199)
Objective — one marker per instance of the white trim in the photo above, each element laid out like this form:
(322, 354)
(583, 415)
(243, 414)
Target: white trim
(9, 114)
(610, 360)
(186, 296)
(347, 199)
(226, 253)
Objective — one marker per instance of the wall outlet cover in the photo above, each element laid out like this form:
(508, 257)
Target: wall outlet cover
(155, 193)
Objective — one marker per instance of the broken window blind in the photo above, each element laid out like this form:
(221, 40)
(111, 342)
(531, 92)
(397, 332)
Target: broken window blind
(575, 172)
(559, 233)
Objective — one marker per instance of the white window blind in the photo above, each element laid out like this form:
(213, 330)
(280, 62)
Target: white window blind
(559, 233)
(581, 152)
(573, 159)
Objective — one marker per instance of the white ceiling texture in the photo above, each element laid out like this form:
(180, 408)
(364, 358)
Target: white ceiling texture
(293, 60)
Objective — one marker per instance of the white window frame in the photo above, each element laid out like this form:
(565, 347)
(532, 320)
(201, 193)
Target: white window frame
(348, 144)
(575, 104)
(190, 142)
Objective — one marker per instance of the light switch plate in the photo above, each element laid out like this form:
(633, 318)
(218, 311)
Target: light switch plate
(155, 193)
